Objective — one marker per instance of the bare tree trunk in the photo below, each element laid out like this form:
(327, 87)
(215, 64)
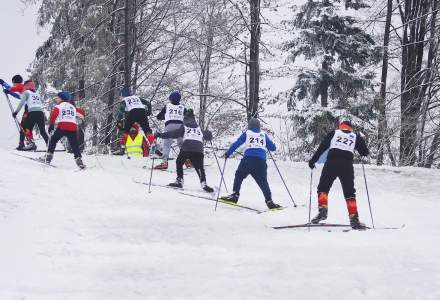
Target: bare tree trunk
(205, 70)
(412, 57)
(128, 40)
(382, 124)
(433, 149)
(323, 87)
(254, 58)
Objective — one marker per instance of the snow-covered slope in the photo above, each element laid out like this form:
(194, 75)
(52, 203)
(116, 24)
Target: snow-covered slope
(98, 235)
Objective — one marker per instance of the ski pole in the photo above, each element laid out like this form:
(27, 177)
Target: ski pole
(218, 165)
(368, 195)
(285, 185)
(310, 196)
(17, 124)
(220, 184)
(152, 150)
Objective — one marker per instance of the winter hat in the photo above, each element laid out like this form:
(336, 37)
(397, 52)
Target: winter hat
(29, 85)
(346, 125)
(175, 97)
(189, 112)
(65, 96)
(17, 79)
(254, 123)
(125, 92)
(189, 119)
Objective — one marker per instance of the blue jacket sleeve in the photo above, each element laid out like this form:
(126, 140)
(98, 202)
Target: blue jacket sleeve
(269, 144)
(241, 140)
(7, 87)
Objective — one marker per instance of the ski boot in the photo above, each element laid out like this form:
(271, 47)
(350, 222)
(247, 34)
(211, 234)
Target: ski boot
(177, 184)
(321, 216)
(188, 164)
(355, 224)
(46, 158)
(162, 166)
(20, 147)
(233, 198)
(271, 205)
(30, 146)
(80, 163)
(207, 188)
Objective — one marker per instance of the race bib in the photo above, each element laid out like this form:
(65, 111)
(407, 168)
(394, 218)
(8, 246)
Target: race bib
(174, 112)
(343, 141)
(193, 134)
(34, 100)
(67, 113)
(255, 140)
(133, 102)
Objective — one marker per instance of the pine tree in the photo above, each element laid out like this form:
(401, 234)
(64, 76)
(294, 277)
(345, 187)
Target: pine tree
(338, 45)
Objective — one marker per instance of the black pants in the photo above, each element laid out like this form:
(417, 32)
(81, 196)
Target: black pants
(81, 141)
(197, 160)
(37, 117)
(342, 169)
(70, 135)
(257, 168)
(138, 115)
(23, 126)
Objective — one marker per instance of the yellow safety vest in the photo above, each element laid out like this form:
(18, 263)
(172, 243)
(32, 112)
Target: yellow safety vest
(134, 147)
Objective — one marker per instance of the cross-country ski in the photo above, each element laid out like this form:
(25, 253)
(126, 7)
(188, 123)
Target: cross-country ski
(202, 149)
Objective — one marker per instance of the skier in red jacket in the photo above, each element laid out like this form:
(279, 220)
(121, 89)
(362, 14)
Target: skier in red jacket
(15, 91)
(64, 113)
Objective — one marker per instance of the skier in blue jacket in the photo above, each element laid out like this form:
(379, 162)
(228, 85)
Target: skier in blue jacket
(253, 162)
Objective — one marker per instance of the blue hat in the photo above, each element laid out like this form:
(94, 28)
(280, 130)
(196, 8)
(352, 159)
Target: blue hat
(175, 97)
(65, 96)
(125, 92)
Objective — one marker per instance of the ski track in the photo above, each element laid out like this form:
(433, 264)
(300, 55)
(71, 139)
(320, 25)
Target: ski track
(98, 235)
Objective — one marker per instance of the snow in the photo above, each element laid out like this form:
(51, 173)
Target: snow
(96, 234)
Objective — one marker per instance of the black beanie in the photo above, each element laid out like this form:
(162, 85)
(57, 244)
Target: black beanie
(17, 79)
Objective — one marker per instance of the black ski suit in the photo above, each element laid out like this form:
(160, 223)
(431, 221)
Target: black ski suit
(339, 164)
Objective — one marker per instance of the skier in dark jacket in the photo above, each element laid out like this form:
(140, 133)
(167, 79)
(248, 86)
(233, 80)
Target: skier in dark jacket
(137, 111)
(192, 148)
(341, 143)
(253, 162)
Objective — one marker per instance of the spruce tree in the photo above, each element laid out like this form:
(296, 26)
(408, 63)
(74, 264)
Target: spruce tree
(326, 34)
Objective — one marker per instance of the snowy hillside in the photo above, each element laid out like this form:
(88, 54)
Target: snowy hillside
(98, 235)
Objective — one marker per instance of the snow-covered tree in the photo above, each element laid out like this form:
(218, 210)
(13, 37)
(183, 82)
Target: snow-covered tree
(329, 35)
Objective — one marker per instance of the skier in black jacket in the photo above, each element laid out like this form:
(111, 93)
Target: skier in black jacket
(341, 143)
(191, 148)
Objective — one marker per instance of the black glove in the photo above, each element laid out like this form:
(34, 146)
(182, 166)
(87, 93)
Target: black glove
(50, 129)
(14, 114)
(226, 155)
(2, 81)
(311, 164)
(6, 92)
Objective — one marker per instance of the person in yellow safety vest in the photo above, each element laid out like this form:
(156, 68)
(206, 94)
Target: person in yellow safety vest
(135, 143)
